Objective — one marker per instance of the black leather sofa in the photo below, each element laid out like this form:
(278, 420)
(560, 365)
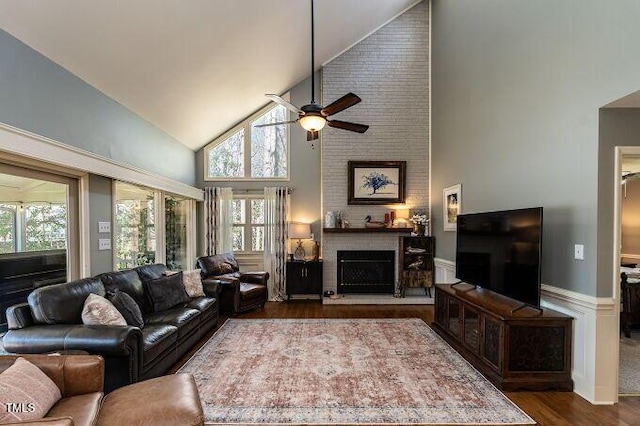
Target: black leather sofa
(51, 321)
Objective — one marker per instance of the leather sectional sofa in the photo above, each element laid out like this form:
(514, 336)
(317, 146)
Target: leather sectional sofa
(168, 400)
(51, 321)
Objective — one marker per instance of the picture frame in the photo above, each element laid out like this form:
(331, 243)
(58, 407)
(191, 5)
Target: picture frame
(376, 182)
(451, 206)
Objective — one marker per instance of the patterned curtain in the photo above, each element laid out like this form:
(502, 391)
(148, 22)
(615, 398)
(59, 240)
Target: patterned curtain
(218, 220)
(276, 229)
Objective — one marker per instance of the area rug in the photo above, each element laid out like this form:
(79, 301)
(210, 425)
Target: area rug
(342, 371)
(629, 373)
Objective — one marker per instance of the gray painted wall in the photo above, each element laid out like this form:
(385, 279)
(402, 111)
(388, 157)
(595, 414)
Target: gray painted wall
(517, 86)
(43, 98)
(304, 173)
(100, 210)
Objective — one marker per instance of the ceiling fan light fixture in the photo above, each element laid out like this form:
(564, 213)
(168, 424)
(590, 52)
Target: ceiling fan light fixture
(312, 123)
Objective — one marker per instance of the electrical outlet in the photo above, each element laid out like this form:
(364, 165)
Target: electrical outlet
(578, 252)
(104, 227)
(104, 244)
(312, 236)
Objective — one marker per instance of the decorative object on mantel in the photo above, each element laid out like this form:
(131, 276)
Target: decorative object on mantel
(299, 231)
(421, 223)
(368, 223)
(316, 251)
(451, 206)
(330, 220)
(376, 182)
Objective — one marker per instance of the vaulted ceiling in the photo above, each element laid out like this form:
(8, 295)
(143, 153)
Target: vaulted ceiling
(192, 68)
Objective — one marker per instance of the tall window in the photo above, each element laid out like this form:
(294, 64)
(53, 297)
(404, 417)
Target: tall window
(248, 152)
(248, 224)
(135, 233)
(176, 216)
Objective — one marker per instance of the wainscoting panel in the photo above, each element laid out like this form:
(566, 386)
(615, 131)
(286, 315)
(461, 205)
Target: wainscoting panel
(445, 271)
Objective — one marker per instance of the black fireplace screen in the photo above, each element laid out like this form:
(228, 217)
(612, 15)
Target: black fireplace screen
(366, 271)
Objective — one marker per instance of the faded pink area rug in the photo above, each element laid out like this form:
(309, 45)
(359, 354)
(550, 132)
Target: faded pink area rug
(342, 372)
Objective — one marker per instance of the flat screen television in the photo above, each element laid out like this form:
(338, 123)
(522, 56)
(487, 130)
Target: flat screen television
(501, 251)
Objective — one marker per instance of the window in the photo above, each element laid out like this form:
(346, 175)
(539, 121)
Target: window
(152, 227)
(248, 224)
(177, 219)
(7, 229)
(248, 152)
(33, 215)
(135, 233)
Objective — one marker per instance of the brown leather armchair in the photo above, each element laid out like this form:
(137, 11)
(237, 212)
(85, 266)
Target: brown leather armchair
(238, 291)
(167, 400)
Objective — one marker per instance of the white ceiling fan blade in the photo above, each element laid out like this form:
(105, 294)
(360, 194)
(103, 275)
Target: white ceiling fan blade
(276, 124)
(277, 99)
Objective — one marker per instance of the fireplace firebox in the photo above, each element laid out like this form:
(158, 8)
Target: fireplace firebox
(366, 271)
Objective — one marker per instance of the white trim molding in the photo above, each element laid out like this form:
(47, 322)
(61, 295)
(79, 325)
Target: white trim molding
(593, 343)
(33, 146)
(445, 271)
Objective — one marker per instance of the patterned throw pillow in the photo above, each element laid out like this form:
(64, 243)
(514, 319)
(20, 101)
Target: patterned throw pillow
(26, 392)
(127, 307)
(192, 283)
(99, 311)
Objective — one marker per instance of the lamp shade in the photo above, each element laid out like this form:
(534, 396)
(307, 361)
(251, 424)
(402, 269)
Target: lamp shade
(300, 231)
(402, 214)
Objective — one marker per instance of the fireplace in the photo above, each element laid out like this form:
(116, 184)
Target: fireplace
(366, 271)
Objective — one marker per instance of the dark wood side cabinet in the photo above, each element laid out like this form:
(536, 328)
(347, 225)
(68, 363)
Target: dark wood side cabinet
(304, 277)
(415, 262)
(525, 349)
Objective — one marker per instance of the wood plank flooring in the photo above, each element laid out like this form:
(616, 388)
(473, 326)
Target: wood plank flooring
(546, 408)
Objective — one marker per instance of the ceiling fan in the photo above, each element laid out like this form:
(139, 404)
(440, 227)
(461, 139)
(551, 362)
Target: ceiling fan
(313, 116)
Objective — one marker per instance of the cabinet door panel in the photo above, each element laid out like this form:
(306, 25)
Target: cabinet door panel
(453, 317)
(491, 351)
(471, 328)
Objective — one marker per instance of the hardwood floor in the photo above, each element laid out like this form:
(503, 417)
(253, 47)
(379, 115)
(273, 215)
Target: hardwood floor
(546, 408)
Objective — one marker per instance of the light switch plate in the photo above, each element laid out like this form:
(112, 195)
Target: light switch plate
(104, 244)
(104, 227)
(578, 252)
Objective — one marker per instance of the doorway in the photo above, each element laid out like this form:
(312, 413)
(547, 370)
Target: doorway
(629, 347)
(38, 232)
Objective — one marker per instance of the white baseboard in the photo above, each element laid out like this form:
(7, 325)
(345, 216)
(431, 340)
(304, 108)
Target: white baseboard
(595, 347)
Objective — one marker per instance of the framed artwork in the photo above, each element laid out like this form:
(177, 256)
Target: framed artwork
(376, 182)
(451, 206)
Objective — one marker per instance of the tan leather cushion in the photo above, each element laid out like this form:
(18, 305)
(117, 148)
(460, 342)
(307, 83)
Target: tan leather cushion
(29, 389)
(99, 311)
(167, 400)
(83, 409)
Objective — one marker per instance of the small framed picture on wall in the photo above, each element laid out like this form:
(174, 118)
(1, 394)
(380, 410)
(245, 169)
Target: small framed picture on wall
(451, 206)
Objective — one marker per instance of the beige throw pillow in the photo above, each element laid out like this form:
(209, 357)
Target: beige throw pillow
(99, 311)
(192, 283)
(26, 393)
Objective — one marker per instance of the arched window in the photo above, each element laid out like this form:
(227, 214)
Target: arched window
(247, 152)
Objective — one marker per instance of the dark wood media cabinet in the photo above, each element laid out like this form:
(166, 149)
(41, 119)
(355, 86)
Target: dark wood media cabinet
(525, 349)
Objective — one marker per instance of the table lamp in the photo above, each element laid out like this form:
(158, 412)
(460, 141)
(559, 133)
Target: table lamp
(299, 231)
(402, 218)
